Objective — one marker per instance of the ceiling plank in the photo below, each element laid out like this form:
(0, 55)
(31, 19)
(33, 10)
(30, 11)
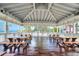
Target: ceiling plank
(61, 10)
(20, 8)
(73, 5)
(57, 12)
(11, 5)
(64, 7)
(20, 12)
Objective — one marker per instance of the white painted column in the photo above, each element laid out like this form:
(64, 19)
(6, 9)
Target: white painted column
(6, 30)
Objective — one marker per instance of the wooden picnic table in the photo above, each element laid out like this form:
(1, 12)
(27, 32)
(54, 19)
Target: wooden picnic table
(2, 53)
(12, 42)
(9, 54)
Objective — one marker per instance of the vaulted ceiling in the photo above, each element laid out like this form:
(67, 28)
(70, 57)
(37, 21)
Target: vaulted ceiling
(41, 12)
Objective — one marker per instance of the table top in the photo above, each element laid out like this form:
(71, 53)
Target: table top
(71, 37)
(12, 42)
(16, 38)
(72, 42)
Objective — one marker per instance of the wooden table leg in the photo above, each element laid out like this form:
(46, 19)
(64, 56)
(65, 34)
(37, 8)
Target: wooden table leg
(60, 49)
(25, 50)
(66, 50)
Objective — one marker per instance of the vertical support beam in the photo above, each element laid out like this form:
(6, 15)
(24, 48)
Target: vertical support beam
(49, 5)
(34, 15)
(34, 5)
(37, 37)
(38, 15)
(6, 31)
(34, 11)
(42, 14)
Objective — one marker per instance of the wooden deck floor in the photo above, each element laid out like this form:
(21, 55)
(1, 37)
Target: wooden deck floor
(42, 46)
